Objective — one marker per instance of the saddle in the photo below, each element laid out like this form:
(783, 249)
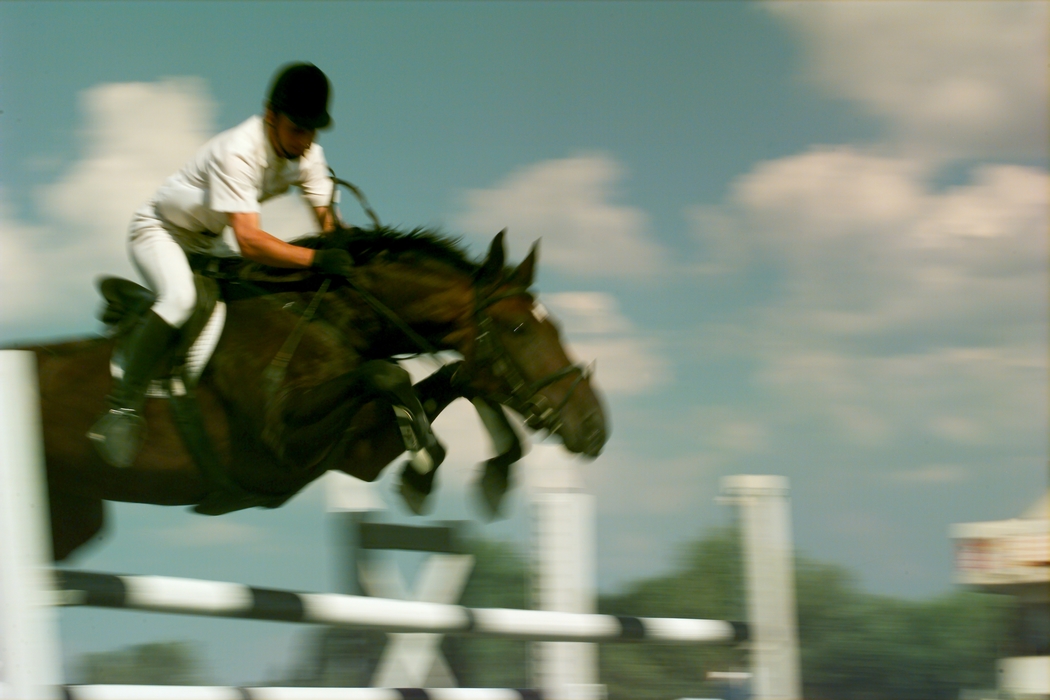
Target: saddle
(126, 304)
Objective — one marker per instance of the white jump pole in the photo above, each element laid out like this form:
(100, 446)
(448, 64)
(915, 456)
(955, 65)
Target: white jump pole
(29, 650)
(175, 692)
(564, 553)
(765, 516)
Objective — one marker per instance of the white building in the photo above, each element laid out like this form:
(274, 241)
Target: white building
(1012, 557)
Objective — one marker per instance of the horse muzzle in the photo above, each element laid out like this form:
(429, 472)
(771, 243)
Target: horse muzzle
(588, 438)
(578, 417)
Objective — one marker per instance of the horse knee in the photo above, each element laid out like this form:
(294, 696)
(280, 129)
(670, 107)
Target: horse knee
(385, 376)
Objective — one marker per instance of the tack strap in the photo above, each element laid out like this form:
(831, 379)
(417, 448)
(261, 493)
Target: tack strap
(273, 375)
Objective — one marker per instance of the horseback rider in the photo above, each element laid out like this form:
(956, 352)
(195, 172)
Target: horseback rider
(223, 185)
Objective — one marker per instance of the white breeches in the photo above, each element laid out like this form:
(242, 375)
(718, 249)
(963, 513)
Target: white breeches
(164, 267)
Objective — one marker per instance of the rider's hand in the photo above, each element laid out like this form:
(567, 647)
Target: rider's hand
(334, 261)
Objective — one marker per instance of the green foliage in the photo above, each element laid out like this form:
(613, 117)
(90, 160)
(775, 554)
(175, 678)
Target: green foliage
(853, 645)
(500, 580)
(166, 663)
(337, 657)
(858, 646)
(709, 584)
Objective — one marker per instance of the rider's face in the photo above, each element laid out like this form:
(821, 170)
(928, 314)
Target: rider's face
(288, 139)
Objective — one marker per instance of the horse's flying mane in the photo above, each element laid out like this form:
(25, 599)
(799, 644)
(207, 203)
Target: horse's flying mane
(364, 245)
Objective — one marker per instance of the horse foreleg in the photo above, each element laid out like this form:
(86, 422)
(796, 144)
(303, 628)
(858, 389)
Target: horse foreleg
(438, 390)
(346, 422)
(311, 421)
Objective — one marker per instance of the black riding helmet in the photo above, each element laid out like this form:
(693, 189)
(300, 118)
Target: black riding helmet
(300, 91)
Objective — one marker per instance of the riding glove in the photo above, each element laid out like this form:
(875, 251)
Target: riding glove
(333, 261)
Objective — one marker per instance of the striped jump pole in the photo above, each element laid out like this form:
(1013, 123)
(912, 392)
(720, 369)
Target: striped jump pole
(194, 692)
(183, 596)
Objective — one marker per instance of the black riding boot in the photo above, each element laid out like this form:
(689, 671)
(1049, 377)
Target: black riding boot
(118, 434)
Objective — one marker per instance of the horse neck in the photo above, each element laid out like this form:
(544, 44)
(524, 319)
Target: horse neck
(432, 298)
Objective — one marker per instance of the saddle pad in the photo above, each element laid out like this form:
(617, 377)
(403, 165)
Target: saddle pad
(196, 358)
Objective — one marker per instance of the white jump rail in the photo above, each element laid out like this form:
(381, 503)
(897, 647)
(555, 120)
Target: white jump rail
(193, 692)
(163, 594)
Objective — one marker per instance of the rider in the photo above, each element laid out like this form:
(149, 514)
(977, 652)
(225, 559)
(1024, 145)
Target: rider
(221, 186)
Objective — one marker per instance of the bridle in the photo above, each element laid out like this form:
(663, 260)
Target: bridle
(524, 396)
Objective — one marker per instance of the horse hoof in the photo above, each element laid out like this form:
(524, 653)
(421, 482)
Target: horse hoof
(416, 501)
(492, 488)
(415, 489)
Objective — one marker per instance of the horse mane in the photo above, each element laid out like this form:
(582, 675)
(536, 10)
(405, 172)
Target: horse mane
(367, 246)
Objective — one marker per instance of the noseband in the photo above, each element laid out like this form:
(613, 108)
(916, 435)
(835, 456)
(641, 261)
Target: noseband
(524, 396)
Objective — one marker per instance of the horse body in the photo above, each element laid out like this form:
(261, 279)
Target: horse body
(322, 415)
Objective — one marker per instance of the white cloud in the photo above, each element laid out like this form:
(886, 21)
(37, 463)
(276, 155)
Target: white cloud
(569, 203)
(624, 365)
(897, 308)
(597, 330)
(868, 246)
(588, 312)
(894, 307)
(931, 474)
(950, 78)
(134, 136)
(20, 268)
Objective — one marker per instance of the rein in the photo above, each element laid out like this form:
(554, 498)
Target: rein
(354, 190)
(524, 397)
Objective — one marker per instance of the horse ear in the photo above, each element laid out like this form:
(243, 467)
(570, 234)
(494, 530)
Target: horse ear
(492, 268)
(523, 276)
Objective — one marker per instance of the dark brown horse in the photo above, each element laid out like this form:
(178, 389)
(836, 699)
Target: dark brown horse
(326, 412)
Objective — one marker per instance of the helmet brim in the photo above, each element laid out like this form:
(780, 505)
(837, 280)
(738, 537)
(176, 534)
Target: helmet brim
(319, 122)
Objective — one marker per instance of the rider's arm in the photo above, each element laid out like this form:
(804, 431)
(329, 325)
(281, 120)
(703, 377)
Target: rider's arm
(261, 247)
(325, 219)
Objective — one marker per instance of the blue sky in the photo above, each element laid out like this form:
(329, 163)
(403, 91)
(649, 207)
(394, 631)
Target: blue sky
(806, 239)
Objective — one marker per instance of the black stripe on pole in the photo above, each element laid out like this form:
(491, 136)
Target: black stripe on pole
(437, 539)
(631, 628)
(100, 590)
(529, 694)
(413, 693)
(269, 604)
(472, 620)
(741, 632)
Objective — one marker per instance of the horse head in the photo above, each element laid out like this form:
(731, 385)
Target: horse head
(518, 359)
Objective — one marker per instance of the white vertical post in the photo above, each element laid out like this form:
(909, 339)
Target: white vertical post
(564, 546)
(765, 517)
(29, 652)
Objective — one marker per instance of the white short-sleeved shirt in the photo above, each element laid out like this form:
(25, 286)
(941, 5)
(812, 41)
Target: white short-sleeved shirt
(235, 171)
